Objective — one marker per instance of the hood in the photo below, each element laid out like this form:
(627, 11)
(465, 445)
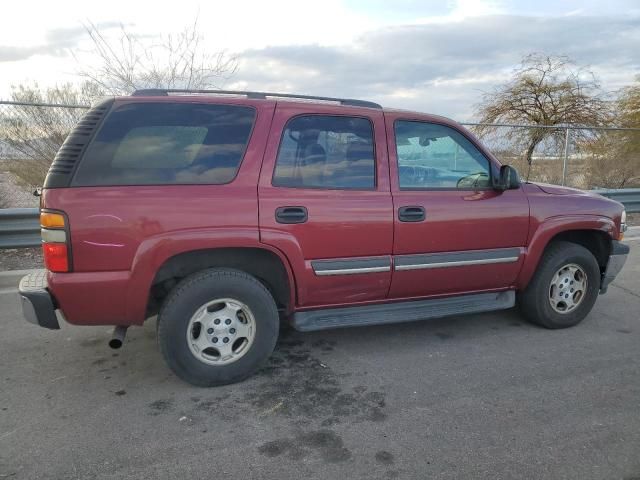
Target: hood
(558, 190)
(581, 201)
(548, 201)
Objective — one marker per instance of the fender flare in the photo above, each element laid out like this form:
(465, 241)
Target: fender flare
(548, 229)
(154, 251)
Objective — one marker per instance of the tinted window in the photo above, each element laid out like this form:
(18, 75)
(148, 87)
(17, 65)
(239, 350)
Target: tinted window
(319, 151)
(167, 143)
(436, 156)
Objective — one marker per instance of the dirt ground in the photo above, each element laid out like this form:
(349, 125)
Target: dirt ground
(12, 195)
(21, 259)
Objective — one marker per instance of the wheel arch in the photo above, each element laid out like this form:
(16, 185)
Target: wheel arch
(262, 263)
(596, 241)
(595, 233)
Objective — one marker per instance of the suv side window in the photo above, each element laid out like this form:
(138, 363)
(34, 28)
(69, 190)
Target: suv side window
(324, 151)
(167, 143)
(433, 156)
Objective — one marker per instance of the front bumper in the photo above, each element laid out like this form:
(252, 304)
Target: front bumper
(619, 252)
(37, 303)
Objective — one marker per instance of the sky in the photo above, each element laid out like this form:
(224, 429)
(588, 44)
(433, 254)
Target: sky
(433, 56)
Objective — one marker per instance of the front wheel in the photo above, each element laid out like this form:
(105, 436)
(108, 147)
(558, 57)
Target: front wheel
(564, 288)
(217, 326)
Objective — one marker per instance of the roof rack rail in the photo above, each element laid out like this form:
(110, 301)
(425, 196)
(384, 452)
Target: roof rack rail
(155, 92)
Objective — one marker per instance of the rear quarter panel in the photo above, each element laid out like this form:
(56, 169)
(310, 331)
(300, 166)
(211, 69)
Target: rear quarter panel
(121, 235)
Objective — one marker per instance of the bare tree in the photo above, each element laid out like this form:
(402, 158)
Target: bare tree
(628, 115)
(31, 133)
(133, 62)
(629, 105)
(610, 163)
(546, 91)
(615, 156)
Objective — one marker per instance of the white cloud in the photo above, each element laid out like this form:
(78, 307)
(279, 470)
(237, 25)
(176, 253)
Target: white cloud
(438, 58)
(443, 67)
(463, 9)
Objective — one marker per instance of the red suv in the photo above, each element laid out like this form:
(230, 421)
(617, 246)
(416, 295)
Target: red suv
(225, 213)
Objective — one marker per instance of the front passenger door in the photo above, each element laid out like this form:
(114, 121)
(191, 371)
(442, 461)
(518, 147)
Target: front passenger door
(453, 233)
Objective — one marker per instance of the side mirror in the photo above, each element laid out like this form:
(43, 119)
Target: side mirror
(508, 178)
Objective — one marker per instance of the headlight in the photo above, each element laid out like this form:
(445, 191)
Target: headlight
(623, 224)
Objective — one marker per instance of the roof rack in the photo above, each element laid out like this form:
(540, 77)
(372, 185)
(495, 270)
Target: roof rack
(155, 92)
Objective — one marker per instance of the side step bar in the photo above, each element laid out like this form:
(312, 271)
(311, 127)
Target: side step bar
(404, 311)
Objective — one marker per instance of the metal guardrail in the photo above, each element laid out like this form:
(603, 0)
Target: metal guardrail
(20, 227)
(629, 197)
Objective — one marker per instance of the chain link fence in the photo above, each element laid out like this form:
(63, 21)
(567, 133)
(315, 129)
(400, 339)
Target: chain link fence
(582, 157)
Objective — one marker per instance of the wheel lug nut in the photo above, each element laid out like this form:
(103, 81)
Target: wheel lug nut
(209, 331)
(225, 339)
(215, 340)
(217, 321)
(228, 321)
(232, 331)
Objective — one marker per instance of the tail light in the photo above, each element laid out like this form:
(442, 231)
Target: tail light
(55, 241)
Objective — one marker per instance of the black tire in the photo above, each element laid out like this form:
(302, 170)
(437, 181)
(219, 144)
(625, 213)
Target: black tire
(534, 300)
(195, 291)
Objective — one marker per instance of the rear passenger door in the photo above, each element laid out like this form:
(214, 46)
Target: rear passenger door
(325, 201)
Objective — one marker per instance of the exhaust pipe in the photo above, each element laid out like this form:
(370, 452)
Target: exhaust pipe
(117, 338)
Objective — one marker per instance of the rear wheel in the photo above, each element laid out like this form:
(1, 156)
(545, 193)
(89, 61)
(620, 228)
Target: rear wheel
(564, 288)
(217, 326)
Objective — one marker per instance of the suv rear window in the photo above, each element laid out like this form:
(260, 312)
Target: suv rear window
(167, 143)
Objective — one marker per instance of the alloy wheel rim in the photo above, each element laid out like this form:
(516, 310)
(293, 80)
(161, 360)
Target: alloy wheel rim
(221, 331)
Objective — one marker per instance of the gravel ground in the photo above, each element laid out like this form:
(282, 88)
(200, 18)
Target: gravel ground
(21, 259)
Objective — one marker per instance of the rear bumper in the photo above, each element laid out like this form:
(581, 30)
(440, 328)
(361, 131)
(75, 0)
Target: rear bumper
(618, 257)
(37, 303)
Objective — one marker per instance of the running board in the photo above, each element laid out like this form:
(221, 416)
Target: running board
(405, 311)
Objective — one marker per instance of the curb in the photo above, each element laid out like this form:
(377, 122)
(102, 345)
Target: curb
(11, 278)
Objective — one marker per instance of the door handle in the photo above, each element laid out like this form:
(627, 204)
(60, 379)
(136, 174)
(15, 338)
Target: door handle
(411, 213)
(291, 215)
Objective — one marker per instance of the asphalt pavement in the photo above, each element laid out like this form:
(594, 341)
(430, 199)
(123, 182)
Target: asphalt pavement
(481, 396)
